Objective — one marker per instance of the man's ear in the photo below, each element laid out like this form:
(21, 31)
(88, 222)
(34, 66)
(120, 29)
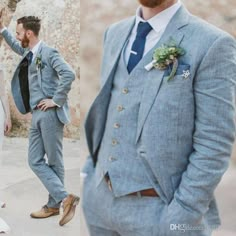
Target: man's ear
(29, 33)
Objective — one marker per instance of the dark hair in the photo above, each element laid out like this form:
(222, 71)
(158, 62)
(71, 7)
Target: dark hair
(30, 23)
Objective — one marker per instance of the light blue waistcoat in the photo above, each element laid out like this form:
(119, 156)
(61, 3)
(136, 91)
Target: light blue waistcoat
(122, 118)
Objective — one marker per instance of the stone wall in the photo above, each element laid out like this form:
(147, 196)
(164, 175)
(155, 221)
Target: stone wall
(60, 29)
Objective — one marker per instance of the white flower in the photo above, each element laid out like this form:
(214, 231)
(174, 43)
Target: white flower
(186, 74)
(149, 66)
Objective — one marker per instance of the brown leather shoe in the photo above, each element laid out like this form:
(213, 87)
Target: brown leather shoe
(45, 212)
(69, 205)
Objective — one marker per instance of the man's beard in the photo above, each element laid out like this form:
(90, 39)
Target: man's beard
(152, 3)
(25, 42)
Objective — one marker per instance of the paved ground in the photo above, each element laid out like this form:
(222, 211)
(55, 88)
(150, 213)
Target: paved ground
(24, 193)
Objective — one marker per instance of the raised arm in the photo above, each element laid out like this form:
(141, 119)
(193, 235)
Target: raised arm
(9, 38)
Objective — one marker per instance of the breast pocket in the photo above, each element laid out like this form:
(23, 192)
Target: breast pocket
(182, 75)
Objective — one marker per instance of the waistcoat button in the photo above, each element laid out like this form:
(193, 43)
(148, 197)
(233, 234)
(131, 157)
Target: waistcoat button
(116, 125)
(114, 142)
(125, 90)
(120, 108)
(111, 158)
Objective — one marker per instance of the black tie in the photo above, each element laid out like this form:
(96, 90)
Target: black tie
(138, 46)
(23, 80)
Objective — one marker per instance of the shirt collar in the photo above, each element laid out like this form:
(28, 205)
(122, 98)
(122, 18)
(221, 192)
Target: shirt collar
(35, 49)
(161, 20)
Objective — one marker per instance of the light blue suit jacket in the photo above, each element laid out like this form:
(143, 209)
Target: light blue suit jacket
(55, 76)
(186, 127)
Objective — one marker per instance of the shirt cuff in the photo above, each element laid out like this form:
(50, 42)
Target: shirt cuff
(55, 104)
(3, 29)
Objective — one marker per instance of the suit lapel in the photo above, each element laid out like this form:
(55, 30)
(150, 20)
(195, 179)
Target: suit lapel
(116, 46)
(15, 77)
(23, 57)
(96, 118)
(39, 54)
(154, 78)
(95, 121)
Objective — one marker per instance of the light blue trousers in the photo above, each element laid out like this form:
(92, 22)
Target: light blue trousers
(124, 216)
(45, 138)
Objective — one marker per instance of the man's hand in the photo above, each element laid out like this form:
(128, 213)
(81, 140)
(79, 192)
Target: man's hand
(45, 104)
(2, 14)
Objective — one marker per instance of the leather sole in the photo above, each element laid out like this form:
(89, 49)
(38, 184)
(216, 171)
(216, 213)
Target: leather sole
(70, 212)
(43, 217)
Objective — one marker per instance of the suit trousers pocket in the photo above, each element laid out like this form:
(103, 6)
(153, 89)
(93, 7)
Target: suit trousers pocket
(139, 214)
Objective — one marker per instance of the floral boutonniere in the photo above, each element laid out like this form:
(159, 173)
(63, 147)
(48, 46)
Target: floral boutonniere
(39, 63)
(165, 56)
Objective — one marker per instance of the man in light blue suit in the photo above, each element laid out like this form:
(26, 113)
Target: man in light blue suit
(160, 132)
(40, 85)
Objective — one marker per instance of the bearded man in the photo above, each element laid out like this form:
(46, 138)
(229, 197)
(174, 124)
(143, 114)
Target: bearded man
(161, 130)
(40, 85)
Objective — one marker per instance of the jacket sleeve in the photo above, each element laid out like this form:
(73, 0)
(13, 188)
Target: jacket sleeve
(66, 76)
(12, 42)
(214, 134)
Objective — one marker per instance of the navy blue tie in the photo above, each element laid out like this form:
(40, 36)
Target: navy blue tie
(138, 46)
(29, 57)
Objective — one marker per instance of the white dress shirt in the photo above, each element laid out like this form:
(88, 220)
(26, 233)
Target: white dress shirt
(35, 49)
(159, 23)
